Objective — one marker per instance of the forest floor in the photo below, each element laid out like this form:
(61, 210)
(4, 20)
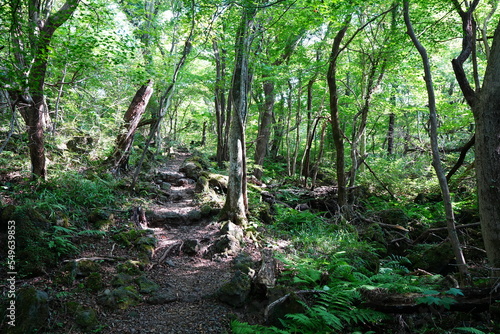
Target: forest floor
(186, 284)
(193, 280)
(190, 282)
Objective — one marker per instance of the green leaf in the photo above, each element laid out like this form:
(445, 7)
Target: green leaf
(454, 292)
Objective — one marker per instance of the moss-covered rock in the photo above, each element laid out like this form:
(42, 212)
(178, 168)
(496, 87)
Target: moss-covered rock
(32, 242)
(122, 279)
(122, 297)
(84, 268)
(434, 258)
(232, 229)
(5, 216)
(31, 311)
(86, 318)
(146, 285)
(130, 267)
(236, 291)
(190, 247)
(94, 282)
(127, 238)
(243, 262)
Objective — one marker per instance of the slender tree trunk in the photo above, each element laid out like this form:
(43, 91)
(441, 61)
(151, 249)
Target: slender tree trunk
(320, 156)
(220, 105)
(278, 130)
(337, 133)
(390, 134)
(236, 205)
(264, 132)
(132, 117)
(436, 159)
(298, 121)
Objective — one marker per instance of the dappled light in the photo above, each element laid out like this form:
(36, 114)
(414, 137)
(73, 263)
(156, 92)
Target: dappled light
(289, 166)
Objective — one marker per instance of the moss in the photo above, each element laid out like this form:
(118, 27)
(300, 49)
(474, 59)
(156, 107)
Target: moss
(122, 279)
(86, 318)
(32, 242)
(94, 282)
(128, 238)
(122, 298)
(86, 267)
(146, 285)
(32, 311)
(130, 267)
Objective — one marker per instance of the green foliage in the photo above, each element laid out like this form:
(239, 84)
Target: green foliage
(61, 241)
(72, 194)
(437, 298)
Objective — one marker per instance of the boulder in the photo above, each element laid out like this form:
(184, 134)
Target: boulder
(190, 247)
(243, 262)
(229, 228)
(146, 285)
(122, 297)
(122, 279)
(235, 292)
(86, 318)
(31, 311)
(191, 169)
(226, 244)
(163, 296)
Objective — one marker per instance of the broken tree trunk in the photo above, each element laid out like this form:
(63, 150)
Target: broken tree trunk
(473, 300)
(132, 117)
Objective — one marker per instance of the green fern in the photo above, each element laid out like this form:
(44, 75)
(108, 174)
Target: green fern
(331, 313)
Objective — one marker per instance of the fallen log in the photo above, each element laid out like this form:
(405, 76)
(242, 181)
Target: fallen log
(473, 300)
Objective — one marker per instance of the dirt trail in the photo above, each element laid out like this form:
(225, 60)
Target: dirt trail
(190, 280)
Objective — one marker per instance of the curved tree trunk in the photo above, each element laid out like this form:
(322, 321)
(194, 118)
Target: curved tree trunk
(436, 159)
(42, 26)
(338, 138)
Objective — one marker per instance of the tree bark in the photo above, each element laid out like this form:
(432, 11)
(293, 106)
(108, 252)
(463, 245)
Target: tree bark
(220, 105)
(390, 134)
(264, 132)
(337, 133)
(436, 159)
(485, 106)
(42, 28)
(132, 118)
(236, 204)
(487, 149)
(266, 119)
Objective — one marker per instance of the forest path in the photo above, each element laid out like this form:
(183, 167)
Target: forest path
(187, 283)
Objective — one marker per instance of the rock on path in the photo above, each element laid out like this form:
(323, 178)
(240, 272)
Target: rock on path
(184, 302)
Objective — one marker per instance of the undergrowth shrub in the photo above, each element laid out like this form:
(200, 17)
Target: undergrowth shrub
(73, 195)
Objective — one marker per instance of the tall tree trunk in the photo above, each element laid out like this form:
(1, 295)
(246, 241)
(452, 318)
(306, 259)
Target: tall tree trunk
(266, 118)
(486, 109)
(220, 105)
(298, 121)
(278, 130)
(337, 133)
(43, 26)
(132, 117)
(236, 205)
(264, 132)
(390, 134)
(436, 159)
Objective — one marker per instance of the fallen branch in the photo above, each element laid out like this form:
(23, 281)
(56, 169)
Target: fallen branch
(440, 229)
(473, 300)
(98, 258)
